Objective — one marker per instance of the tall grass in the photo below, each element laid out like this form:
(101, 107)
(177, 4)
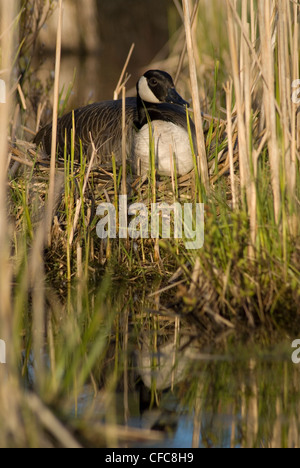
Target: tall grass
(202, 160)
(9, 389)
(54, 122)
(263, 59)
(258, 211)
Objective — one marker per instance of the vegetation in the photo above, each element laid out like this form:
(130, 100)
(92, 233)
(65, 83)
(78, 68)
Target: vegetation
(76, 310)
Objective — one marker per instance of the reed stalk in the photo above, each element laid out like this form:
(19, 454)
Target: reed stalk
(242, 85)
(243, 152)
(295, 75)
(202, 158)
(51, 194)
(80, 200)
(184, 49)
(265, 15)
(228, 91)
(124, 155)
(123, 78)
(10, 396)
(123, 231)
(7, 17)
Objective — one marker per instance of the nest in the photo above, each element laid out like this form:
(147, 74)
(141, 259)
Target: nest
(103, 184)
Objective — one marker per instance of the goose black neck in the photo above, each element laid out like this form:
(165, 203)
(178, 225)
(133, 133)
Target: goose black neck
(142, 112)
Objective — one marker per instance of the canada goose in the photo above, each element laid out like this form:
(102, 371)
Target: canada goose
(156, 99)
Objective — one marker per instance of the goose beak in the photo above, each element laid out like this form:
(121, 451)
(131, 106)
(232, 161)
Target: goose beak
(175, 98)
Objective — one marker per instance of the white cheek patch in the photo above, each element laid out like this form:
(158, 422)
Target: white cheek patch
(145, 92)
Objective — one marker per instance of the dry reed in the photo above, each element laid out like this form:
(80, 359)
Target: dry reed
(265, 15)
(10, 397)
(202, 157)
(50, 206)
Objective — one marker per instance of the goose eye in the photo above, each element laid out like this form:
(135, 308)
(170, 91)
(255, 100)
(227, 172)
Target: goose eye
(153, 82)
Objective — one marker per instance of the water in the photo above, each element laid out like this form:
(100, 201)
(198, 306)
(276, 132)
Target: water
(233, 401)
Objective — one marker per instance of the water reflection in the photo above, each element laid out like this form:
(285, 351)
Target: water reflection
(231, 401)
(237, 402)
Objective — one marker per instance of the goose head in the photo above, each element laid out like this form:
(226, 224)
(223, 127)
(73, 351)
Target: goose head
(157, 86)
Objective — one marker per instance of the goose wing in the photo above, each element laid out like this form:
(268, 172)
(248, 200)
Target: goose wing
(100, 121)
